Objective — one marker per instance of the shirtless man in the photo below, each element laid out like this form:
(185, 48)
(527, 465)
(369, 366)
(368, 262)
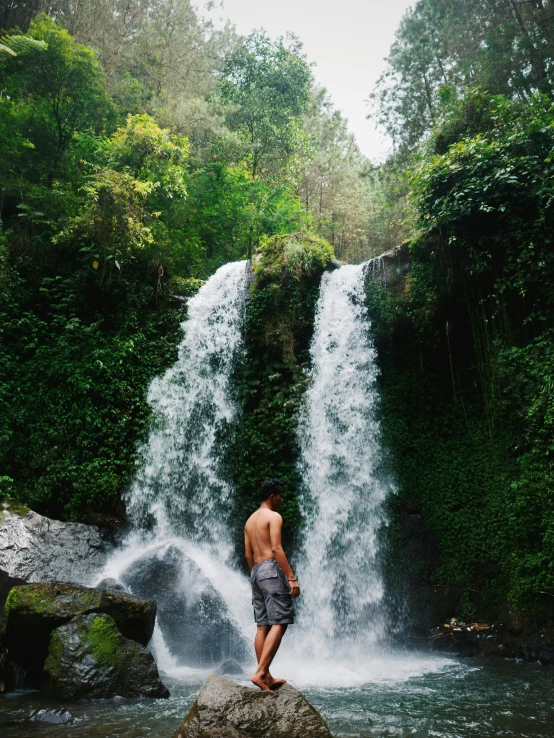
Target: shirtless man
(273, 583)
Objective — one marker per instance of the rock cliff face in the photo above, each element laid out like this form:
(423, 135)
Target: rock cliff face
(227, 710)
(34, 548)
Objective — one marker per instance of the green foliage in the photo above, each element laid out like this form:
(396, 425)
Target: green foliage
(272, 376)
(56, 91)
(468, 412)
(101, 224)
(442, 49)
(15, 45)
(228, 211)
(267, 87)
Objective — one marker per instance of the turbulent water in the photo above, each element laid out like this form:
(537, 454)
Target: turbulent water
(180, 483)
(453, 699)
(344, 490)
(179, 546)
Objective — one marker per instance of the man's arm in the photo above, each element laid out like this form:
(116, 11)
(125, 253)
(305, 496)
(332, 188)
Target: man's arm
(275, 528)
(248, 550)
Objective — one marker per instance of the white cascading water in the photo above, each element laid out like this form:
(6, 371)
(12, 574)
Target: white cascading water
(179, 550)
(341, 617)
(343, 489)
(180, 483)
(180, 499)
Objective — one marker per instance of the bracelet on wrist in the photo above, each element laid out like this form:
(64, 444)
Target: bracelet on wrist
(292, 579)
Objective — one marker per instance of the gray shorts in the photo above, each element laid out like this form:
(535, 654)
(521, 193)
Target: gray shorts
(271, 594)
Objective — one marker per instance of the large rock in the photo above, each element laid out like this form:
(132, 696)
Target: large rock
(88, 658)
(194, 619)
(226, 710)
(34, 548)
(33, 611)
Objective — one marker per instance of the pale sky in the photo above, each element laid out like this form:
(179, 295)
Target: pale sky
(347, 40)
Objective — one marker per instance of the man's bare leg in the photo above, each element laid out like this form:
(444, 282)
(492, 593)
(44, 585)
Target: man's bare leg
(261, 635)
(271, 644)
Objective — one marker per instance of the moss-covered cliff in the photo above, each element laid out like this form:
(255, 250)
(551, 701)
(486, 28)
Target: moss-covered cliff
(273, 374)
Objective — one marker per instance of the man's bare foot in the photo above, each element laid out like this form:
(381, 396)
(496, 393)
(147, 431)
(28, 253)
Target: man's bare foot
(260, 681)
(275, 683)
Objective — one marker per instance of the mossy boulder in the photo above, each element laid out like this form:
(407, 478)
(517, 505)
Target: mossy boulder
(34, 548)
(226, 710)
(294, 255)
(88, 658)
(33, 611)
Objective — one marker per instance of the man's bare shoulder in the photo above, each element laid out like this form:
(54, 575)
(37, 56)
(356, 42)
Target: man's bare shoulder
(262, 515)
(251, 519)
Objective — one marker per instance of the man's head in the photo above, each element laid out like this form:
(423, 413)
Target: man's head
(271, 491)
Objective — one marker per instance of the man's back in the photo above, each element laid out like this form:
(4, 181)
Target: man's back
(258, 532)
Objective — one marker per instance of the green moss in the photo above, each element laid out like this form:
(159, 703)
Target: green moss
(105, 641)
(13, 506)
(296, 255)
(184, 287)
(272, 376)
(41, 598)
(53, 663)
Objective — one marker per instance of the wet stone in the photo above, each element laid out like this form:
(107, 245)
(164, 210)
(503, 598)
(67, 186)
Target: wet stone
(54, 717)
(89, 659)
(227, 710)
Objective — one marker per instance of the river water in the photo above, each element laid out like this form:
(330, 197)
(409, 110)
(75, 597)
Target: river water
(442, 697)
(179, 551)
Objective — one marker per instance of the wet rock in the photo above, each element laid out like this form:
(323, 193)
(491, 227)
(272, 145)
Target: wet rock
(462, 639)
(32, 611)
(231, 666)
(194, 619)
(12, 676)
(226, 710)
(54, 717)
(111, 585)
(34, 548)
(481, 639)
(88, 658)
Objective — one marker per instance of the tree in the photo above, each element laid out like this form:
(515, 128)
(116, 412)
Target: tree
(266, 85)
(57, 91)
(443, 47)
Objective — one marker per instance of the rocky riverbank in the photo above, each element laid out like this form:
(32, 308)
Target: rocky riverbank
(75, 642)
(78, 642)
(518, 641)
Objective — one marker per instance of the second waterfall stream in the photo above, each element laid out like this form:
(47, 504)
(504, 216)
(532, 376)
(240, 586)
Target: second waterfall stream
(179, 549)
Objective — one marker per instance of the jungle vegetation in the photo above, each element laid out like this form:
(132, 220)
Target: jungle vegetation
(143, 149)
(466, 337)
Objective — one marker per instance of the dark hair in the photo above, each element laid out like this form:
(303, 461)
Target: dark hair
(270, 487)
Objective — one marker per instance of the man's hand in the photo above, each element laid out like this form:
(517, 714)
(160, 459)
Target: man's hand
(294, 588)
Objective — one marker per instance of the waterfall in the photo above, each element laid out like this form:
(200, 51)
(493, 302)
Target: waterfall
(179, 547)
(180, 485)
(344, 490)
